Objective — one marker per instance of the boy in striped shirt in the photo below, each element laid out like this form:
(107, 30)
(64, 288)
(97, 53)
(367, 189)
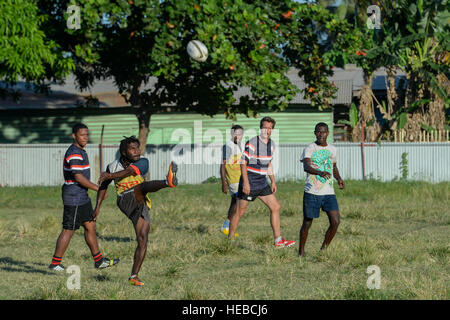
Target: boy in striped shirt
(255, 167)
(78, 209)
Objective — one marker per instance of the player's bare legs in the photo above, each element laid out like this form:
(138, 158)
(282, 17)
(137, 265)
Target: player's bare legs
(307, 222)
(274, 206)
(241, 207)
(147, 187)
(334, 218)
(142, 229)
(90, 236)
(63, 242)
(232, 208)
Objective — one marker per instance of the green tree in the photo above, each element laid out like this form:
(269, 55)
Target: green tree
(25, 52)
(414, 38)
(142, 46)
(360, 42)
(421, 50)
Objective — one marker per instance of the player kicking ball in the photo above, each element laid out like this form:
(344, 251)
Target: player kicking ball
(132, 194)
(319, 162)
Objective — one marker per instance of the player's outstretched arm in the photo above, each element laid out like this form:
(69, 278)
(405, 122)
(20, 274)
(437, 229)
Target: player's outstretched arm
(116, 175)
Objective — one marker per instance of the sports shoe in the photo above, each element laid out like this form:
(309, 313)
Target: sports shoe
(56, 267)
(105, 263)
(226, 231)
(284, 243)
(172, 180)
(134, 281)
(225, 227)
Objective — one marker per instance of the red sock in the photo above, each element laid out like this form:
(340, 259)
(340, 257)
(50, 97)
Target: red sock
(56, 260)
(98, 256)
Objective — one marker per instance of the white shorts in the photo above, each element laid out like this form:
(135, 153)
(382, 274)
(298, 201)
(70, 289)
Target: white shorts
(233, 189)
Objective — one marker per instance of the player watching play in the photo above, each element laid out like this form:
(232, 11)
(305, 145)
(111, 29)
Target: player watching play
(319, 162)
(255, 167)
(77, 204)
(132, 194)
(230, 170)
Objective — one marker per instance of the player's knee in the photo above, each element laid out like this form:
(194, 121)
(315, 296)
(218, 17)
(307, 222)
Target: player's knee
(306, 224)
(274, 207)
(142, 238)
(335, 220)
(277, 207)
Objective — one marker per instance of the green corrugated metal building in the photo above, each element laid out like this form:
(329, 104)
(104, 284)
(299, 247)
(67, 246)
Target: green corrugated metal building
(54, 126)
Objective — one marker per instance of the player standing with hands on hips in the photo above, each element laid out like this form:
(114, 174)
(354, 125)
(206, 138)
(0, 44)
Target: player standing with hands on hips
(319, 162)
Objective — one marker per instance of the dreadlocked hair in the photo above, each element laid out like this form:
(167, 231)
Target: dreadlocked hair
(124, 143)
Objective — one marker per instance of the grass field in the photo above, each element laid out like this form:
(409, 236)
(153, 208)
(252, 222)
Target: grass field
(401, 227)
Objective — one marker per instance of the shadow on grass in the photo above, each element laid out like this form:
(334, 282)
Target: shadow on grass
(20, 266)
(113, 238)
(102, 277)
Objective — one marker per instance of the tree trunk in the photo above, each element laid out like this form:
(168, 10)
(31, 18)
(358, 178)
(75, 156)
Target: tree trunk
(392, 101)
(366, 113)
(143, 115)
(392, 96)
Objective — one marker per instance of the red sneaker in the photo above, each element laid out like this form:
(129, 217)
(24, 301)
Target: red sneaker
(172, 180)
(284, 243)
(134, 281)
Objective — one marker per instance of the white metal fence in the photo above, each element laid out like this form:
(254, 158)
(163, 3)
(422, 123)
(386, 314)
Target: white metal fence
(41, 164)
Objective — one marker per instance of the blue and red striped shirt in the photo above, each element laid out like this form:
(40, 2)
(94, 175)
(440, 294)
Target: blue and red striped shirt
(258, 155)
(75, 161)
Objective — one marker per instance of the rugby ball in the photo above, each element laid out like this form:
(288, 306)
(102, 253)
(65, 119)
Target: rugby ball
(197, 50)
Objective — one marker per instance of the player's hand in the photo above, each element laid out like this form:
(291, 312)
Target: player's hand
(104, 176)
(341, 184)
(96, 213)
(274, 187)
(325, 174)
(246, 188)
(224, 188)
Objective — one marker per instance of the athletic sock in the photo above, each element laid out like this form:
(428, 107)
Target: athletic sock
(278, 239)
(56, 260)
(98, 256)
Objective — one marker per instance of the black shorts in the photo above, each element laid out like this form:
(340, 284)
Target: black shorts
(128, 204)
(74, 216)
(267, 190)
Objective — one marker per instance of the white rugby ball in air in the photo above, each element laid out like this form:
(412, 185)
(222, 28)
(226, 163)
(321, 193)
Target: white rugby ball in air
(197, 50)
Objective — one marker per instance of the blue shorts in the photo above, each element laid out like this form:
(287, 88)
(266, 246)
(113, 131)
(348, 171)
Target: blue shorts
(313, 203)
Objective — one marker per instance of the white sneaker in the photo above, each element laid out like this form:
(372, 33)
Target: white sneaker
(57, 267)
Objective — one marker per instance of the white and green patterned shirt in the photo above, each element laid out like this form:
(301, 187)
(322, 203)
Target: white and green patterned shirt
(322, 159)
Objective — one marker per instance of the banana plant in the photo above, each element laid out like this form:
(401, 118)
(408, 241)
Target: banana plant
(353, 117)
